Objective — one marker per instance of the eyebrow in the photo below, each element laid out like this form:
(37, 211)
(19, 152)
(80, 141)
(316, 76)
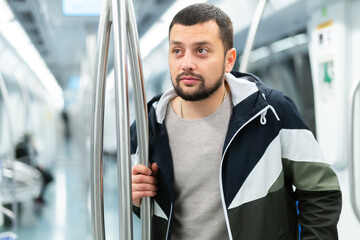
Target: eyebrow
(201, 43)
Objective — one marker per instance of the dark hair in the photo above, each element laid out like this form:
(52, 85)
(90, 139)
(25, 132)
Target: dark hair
(203, 12)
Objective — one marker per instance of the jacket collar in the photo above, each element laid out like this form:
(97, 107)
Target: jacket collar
(240, 88)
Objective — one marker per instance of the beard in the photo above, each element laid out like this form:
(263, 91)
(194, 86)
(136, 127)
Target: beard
(202, 91)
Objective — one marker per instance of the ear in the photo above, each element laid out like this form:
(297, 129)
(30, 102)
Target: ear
(230, 58)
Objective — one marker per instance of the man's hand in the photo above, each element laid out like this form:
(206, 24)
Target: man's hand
(143, 182)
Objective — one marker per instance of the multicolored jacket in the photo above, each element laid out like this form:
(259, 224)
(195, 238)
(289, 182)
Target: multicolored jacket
(270, 162)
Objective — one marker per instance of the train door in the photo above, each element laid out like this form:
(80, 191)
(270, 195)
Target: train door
(335, 54)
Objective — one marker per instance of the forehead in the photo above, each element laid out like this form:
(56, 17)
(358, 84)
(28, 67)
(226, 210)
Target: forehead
(207, 31)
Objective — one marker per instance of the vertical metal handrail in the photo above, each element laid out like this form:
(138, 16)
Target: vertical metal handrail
(97, 205)
(122, 119)
(354, 203)
(251, 35)
(5, 94)
(125, 34)
(146, 210)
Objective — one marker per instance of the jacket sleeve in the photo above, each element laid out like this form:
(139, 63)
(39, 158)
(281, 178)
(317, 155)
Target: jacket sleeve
(315, 184)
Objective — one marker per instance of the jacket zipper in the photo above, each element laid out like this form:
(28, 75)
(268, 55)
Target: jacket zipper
(221, 164)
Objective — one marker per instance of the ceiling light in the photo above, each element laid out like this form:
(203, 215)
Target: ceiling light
(176, 7)
(15, 35)
(32, 58)
(159, 32)
(153, 38)
(6, 14)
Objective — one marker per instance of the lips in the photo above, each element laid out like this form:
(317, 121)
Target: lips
(188, 80)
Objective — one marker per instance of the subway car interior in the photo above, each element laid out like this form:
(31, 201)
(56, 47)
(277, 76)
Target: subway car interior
(63, 160)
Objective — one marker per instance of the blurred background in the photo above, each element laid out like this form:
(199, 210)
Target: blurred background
(308, 49)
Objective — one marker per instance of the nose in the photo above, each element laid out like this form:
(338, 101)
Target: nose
(188, 63)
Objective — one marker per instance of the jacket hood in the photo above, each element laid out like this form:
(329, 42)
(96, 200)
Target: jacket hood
(241, 86)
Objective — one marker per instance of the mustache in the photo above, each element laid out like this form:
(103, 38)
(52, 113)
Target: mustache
(178, 77)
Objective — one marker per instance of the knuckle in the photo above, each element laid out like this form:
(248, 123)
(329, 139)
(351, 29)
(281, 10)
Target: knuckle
(141, 178)
(136, 168)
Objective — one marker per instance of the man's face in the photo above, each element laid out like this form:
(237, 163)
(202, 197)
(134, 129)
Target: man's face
(197, 61)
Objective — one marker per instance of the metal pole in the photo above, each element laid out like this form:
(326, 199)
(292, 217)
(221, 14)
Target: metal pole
(122, 119)
(97, 205)
(140, 112)
(5, 95)
(355, 206)
(251, 36)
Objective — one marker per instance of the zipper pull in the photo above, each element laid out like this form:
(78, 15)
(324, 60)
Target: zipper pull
(263, 118)
(263, 115)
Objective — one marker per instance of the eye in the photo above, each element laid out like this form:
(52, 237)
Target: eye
(202, 51)
(176, 51)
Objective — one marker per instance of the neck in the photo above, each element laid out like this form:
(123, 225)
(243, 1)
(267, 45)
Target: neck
(199, 109)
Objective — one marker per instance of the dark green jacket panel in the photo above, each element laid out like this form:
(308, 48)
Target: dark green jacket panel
(272, 217)
(317, 190)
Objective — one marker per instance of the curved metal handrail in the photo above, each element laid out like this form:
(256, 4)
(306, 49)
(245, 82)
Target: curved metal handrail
(7, 212)
(124, 25)
(5, 95)
(122, 118)
(251, 35)
(146, 210)
(97, 205)
(27, 181)
(354, 203)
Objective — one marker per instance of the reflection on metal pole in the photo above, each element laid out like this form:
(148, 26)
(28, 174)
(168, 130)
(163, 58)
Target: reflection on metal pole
(140, 112)
(354, 203)
(97, 206)
(251, 36)
(5, 95)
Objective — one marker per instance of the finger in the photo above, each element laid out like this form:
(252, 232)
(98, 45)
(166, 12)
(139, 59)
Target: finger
(155, 169)
(136, 202)
(142, 194)
(141, 169)
(140, 178)
(144, 187)
(137, 196)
